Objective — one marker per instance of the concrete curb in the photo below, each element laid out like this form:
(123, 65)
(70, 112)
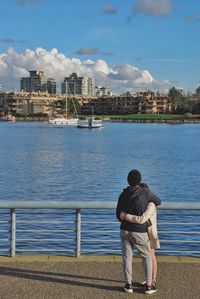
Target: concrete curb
(102, 258)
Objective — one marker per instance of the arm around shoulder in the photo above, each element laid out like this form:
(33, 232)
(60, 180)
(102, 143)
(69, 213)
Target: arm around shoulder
(154, 198)
(151, 209)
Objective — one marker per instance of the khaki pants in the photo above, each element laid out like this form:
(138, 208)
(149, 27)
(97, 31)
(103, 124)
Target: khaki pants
(140, 241)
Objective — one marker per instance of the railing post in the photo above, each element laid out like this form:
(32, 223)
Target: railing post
(78, 232)
(12, 232)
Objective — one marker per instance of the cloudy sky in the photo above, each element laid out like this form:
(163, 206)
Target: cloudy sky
(123, 44)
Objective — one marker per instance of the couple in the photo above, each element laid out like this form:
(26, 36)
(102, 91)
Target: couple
(136, 210)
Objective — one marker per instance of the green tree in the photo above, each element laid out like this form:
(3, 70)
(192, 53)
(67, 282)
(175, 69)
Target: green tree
(180, 103)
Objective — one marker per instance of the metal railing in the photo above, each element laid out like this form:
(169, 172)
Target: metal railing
(90, 227)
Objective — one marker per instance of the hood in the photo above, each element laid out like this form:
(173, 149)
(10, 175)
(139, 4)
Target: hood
(134, 191)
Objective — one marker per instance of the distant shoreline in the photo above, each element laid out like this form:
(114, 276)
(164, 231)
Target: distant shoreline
(181, 120)
(157, 121)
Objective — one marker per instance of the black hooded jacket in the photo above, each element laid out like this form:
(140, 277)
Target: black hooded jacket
(134, 200)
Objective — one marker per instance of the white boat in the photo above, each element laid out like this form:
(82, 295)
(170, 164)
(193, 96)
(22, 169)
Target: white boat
(64, 121)
(90, 123)
(8, 117)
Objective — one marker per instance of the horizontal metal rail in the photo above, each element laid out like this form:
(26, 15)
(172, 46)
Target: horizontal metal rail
(78, 227)
(72, 204)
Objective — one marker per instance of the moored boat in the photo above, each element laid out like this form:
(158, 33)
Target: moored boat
(8, 117)
(90, 123)
(63, 121)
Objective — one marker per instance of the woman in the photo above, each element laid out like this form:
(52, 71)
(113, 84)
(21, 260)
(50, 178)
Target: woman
(149, 216)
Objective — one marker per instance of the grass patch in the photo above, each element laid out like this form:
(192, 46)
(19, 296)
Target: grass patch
(147, 116)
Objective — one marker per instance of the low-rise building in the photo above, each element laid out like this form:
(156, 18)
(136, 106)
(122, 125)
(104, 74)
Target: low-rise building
(151, 102)
(145, 102)
(26, 102)
(43, 102)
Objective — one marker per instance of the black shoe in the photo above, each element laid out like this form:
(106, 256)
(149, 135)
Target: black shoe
(137, 285)
(128, 288)
(150, 289)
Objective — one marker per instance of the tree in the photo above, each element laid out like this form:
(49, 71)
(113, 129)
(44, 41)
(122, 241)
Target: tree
(180, 103)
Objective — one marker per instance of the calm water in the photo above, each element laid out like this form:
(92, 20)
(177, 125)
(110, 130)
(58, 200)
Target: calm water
(42, 162)
(38, 161)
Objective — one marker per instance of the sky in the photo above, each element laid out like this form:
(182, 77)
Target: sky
(126, 45)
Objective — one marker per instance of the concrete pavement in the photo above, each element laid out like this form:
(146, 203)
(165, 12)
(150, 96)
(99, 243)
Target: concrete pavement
(93, 277)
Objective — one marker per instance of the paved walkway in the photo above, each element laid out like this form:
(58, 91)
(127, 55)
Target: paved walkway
(44, 277)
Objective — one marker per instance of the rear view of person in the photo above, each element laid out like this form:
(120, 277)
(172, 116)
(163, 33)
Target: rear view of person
(134, 200)
(149, 215)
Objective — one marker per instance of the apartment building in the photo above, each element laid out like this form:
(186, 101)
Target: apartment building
(26, 102)
(151, 102)
(51, 86)
(112, 105)
(145, 102)
(75, 85)
(37, 82)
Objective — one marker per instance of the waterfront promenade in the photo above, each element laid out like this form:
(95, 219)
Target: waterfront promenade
(88, 277)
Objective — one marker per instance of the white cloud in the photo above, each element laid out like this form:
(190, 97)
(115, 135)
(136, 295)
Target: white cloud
(119, 78)
(153, 7)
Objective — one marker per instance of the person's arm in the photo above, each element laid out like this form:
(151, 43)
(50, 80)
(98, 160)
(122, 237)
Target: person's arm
(151, 209)
(153, 198)
(119, 207)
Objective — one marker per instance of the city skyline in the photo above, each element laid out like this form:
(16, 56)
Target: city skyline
(140, 44)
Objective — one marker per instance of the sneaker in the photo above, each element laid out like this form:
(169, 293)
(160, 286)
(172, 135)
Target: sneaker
(128, 288)
(144, 283)
(150, 289)
(137, 285)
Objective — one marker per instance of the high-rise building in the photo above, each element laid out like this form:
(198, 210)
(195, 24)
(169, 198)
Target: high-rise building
(51, 86)
(198, 91)
(25, 84)
(75, 85)
(37, 82)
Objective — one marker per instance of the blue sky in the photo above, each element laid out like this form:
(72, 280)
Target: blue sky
(128, 43)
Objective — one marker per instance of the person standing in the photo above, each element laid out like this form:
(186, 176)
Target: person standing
(134, 200)
(149, 215)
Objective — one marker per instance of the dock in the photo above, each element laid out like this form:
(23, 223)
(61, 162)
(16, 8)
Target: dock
(93, 277)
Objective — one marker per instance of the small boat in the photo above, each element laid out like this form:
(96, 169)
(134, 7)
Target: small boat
(9, 118)
(90, 123)
(63, 121)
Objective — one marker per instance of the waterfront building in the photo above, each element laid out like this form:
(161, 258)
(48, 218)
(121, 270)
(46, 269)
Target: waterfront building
(144, 102)
(150, 102)
(74, 85)
(112, 105)
(26, 102)
(43, 102)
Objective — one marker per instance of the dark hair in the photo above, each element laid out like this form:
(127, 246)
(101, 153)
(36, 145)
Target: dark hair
(134, 177)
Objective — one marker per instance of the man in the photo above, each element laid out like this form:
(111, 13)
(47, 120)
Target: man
(134, 200)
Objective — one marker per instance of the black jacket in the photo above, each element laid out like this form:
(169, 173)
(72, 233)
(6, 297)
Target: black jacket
(134, 200)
